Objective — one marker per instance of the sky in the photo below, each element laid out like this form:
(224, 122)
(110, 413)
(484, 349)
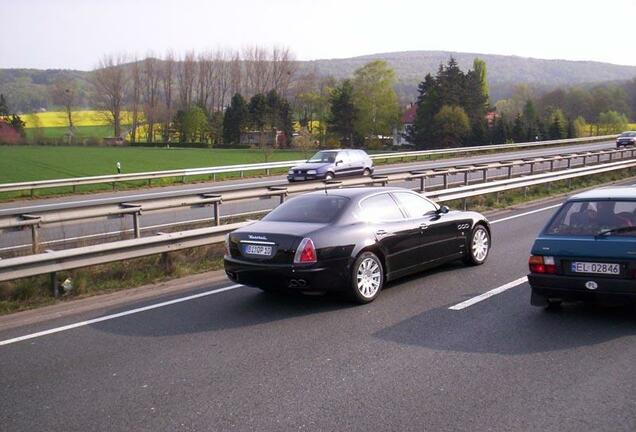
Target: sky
(75, 34)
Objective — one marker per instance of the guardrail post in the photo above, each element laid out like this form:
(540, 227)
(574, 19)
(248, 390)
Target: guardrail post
(510, 171)
(585, 160)
(466, 178)
(569, 162)
(35, 239)
(422, 184)
(136, 225)
(446, 181)
(532, 168)
(217, 213)
(485, 175)
(55, 285)
(267, 171)
(32, 193)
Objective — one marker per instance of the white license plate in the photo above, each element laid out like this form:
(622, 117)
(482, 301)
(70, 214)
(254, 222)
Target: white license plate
(599, 268)
(299, 178)
(258, 250)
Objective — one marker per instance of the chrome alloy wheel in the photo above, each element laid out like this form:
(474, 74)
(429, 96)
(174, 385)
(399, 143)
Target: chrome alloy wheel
(369, 277)
(480, 245)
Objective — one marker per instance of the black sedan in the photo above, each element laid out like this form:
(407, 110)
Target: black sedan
(353, 240)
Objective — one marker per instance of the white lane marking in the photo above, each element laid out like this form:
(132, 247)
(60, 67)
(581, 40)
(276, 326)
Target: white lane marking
(489, 294)
(526, 213)
(117, 315)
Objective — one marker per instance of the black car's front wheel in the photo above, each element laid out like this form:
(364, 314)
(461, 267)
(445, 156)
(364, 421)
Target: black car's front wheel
(367, 278)
(478, 246)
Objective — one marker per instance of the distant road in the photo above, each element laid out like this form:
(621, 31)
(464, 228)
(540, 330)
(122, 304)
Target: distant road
(86, 231)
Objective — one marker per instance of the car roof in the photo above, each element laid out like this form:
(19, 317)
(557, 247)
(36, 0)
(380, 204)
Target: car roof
(359, 192)
(607, 193)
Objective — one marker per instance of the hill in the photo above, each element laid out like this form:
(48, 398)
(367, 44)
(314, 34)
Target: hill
(27, 89)
(504, 72)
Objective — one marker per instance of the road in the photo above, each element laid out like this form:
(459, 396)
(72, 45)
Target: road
(241, 360)
(58, 236)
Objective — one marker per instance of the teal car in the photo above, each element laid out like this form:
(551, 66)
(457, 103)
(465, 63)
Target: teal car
(587, 251)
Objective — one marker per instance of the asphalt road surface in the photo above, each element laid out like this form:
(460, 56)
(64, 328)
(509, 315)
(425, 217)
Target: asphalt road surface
(241, 360)
(59, 236)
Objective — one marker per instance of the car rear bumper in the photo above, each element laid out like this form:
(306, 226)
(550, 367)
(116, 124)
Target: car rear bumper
(573, 288)
(320, 277)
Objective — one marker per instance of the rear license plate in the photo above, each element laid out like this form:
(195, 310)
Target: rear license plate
(258, 250)
(598, 268)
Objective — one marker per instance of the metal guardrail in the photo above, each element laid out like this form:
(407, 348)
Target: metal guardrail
(55, 261)
(36, 216)
(267, 167)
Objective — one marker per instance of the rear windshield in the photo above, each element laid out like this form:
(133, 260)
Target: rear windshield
(595, 218)
(309, 208)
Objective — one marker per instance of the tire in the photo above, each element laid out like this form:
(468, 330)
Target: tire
(329, 176)
(367, 278)
(366, 172)
(478, 246)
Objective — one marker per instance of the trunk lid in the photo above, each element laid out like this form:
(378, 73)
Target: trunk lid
(270, 242)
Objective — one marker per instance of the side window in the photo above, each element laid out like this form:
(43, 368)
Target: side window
(343, 156)
(415, 205)
(380, 207)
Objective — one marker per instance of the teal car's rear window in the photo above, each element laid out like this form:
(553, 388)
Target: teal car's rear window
(607, 217)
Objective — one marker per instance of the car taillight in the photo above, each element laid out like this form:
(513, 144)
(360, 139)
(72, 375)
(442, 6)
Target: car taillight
(306, 252)
(542, 264)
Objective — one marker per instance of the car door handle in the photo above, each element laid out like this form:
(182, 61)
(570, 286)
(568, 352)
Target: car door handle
(424, 226)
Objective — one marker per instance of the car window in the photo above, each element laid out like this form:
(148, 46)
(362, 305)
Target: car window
(380, 207)
(594, 217)
(309, 208)
(415, 206)
(343, 156)
(323, 156)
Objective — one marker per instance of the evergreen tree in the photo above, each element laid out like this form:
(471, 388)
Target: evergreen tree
(343, 113)
(518, 131)
(4, 107)
(258, 112)
(235, 120)
(451, 87)
(558, 125)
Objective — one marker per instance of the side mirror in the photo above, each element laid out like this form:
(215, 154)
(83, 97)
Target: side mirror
(443, 210)
(338, 162)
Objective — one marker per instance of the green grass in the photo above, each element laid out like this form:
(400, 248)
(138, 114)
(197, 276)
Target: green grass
(59, 132)
(30, 163)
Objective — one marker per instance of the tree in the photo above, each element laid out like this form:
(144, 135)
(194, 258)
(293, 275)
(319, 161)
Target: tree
(235, 120)
(4, 107)
(450, 87)
(343, 113)
(195, 125)
(258, 112)
(150, 95)
(375, 99)
(558, 125)
(612, 122)
(451, 125)
(110, 81)
(479, 66)
(63, 92)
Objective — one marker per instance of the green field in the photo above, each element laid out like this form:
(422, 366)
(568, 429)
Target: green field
(23, 163)
(59, 132)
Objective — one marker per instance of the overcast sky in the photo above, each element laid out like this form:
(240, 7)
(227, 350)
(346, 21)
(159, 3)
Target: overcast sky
(76, 33)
